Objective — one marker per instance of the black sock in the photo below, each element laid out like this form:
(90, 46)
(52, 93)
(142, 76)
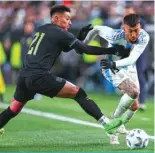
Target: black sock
(88, 105)
(5, 116)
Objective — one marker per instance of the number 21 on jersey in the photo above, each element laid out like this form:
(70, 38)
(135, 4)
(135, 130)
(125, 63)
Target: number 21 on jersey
(37, 38)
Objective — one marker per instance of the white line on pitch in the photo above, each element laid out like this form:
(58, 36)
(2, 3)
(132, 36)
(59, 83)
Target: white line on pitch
(59, 117)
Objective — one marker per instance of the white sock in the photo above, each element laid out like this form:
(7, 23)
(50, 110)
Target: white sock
(129, 113)
(104, 120)
(124, 104)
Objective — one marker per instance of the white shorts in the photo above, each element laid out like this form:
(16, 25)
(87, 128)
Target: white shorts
(122, 75)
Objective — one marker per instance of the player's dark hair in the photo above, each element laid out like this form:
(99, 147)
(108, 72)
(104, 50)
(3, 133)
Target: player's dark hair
(131, 19)
(59, 9)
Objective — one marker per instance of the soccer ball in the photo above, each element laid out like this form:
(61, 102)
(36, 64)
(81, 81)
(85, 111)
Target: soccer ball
(137, 139)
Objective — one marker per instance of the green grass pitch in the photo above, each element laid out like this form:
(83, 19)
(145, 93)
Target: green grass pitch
(29, 133)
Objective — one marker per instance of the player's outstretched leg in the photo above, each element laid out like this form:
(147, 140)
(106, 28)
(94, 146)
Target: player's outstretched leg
(131, 94)
(90, 107)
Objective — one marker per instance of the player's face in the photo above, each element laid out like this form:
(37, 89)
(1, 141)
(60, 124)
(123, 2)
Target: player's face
(132, 33)
(64, 20)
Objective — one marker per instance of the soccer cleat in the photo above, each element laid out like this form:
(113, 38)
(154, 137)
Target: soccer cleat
(113, 139)
(122, 130)
(2, 131)
(113, 125)
(142, 107)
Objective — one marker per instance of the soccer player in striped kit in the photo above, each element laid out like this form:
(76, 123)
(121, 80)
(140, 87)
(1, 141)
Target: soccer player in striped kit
(122, 72)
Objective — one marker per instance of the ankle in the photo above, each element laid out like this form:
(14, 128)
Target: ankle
(104, 120)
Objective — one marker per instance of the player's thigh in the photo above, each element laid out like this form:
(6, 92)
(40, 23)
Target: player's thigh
(134, 78)
(130, 80)
(68, 91)
(48, 85)
(123, 81)
(117, 78)
(129, 86)
(22, 93)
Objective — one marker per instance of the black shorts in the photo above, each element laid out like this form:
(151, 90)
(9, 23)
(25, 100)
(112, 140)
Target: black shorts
(47, 84)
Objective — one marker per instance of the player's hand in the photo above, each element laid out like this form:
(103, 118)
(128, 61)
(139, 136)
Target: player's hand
(122, 51)
(84, 31)
(107, 64)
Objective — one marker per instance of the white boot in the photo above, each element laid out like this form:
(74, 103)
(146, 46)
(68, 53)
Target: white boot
(142, 107)
(113, 139)
(122, 130)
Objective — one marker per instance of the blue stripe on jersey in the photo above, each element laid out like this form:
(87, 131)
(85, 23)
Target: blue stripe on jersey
(118, 30)
(142, 37)
(118, 35)
(128, 45)
(126, 67)
(108, 75)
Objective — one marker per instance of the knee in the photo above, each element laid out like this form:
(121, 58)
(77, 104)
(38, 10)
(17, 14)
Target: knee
(134, 93)
(16, 106)
(74, 91)
(134, 106)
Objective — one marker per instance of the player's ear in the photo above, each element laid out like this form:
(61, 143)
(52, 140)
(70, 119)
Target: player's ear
(55, 18)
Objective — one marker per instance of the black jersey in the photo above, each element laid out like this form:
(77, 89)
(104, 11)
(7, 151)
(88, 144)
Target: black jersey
(48, 43)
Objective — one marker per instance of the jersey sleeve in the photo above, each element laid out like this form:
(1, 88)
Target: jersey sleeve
(136, 51)
(104, 32)
(67, 40)
(91, 35)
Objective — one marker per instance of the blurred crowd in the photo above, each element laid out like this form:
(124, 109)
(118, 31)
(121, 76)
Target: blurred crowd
(13, 14)
(19, 19)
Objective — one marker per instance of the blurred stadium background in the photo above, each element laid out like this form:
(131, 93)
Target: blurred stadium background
(18, 21)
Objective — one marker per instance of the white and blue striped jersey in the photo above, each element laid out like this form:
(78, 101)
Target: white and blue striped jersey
(126, 66)
(117, 37)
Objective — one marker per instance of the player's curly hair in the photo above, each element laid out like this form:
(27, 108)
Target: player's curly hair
(131, 19)
(59, 8)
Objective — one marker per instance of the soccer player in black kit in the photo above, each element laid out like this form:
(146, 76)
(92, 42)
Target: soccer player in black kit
(35, 76)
